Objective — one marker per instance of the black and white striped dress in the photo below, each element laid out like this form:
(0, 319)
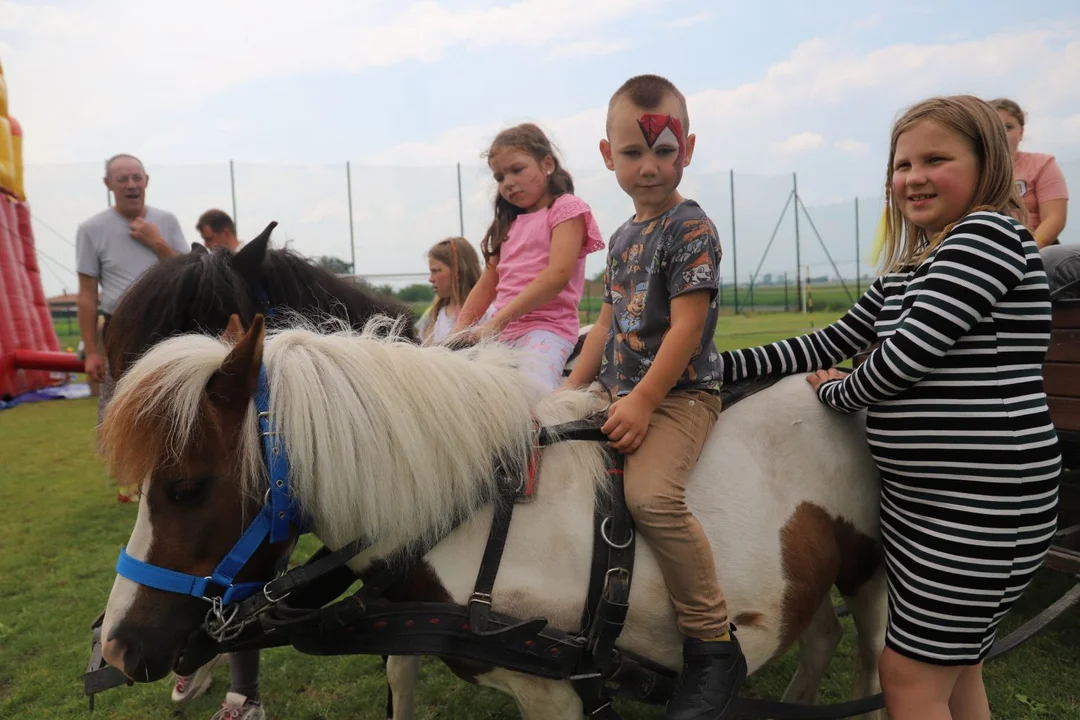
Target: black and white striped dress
(958, 424)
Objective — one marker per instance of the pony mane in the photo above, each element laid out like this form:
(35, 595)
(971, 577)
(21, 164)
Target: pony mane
(197, 292)
(386, 439)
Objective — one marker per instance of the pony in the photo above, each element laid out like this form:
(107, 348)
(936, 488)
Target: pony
(392, 442)
(199, 292)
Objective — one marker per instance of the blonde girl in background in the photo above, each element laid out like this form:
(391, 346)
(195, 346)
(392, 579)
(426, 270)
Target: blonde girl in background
(454, 268)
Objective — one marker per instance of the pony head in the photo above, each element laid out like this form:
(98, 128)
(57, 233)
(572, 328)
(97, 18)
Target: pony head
(177, 429)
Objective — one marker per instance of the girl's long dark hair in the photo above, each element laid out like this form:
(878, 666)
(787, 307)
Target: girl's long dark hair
(530, 139)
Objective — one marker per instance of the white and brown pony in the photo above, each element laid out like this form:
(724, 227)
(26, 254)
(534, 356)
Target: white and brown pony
(391, 441)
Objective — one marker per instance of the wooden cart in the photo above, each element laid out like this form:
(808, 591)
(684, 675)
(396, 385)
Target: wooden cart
(1061, 376)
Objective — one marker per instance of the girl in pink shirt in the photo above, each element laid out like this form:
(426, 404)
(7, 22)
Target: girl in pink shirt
(534, 254)
(1039, 180)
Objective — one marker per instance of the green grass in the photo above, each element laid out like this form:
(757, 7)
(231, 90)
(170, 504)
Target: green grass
(767, 298)
(63, 527)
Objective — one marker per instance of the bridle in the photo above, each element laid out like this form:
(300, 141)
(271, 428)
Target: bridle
(272, 523)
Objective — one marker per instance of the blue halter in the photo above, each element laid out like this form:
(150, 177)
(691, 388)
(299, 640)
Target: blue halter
(273, 520)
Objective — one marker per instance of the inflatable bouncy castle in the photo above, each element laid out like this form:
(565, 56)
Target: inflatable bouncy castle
(28, 344)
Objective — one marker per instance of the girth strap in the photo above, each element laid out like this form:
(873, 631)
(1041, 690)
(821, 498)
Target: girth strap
(618, 538)
(480, 600)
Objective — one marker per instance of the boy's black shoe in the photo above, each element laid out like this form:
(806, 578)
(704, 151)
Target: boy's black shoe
(712, 675)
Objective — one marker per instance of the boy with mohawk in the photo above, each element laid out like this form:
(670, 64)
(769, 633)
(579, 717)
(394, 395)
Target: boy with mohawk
(653, 348)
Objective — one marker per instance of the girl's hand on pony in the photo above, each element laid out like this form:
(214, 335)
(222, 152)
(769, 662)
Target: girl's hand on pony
(821, 376)
(488, 331)
(628, 421)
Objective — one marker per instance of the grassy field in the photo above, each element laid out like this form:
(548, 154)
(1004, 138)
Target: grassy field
(63, 528)
(766, 298)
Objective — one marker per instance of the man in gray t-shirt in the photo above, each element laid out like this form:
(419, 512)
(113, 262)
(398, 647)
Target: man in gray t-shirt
(115, 247)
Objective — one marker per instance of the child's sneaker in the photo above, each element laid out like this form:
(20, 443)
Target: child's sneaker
(189, 687)
(238, 707)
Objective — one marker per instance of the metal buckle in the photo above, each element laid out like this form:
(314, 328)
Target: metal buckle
(614, 571)
(274, 600)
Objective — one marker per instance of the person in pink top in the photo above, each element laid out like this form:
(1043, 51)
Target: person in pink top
(1038, 179)
(534, 255)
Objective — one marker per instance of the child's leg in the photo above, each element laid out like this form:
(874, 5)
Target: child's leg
(916, 690)
(244, 673)
(655, 479)
(968, 700)
(547, 353)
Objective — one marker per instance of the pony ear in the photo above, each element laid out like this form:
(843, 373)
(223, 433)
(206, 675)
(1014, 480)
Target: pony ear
(197, 248)
(234, 331)
(250, 257)
(236, 381)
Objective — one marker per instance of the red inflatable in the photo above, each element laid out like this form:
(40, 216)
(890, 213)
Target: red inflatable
(25, 321)
(27, 336)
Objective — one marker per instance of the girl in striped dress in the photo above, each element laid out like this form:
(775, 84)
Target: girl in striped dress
(956, 413)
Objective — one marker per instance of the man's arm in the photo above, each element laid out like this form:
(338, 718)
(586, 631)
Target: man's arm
(86, 306)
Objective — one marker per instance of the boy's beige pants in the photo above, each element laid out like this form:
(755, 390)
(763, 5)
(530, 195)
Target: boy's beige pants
(654, 478)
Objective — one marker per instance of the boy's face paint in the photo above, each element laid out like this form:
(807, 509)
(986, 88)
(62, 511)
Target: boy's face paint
(665, 131)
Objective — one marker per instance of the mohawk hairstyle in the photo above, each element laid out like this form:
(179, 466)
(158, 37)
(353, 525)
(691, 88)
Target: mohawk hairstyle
(647, 92)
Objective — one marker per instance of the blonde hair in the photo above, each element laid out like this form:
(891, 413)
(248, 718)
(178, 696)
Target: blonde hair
(457, 254)
(905, 244)
(1011, 107)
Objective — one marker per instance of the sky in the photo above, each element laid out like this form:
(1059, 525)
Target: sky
(403, 91)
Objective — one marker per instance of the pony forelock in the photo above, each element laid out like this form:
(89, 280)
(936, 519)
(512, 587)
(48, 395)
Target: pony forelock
(157, 405)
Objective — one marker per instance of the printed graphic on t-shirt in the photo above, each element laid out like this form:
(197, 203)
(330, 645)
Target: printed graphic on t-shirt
(648, 265)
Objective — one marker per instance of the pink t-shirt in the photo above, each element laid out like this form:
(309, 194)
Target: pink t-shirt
(526, 252)
(1038, 179)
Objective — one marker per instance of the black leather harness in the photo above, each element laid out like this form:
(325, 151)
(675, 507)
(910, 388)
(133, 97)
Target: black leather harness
(299, 608)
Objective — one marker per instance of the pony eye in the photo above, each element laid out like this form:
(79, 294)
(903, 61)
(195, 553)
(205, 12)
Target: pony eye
(186, 489)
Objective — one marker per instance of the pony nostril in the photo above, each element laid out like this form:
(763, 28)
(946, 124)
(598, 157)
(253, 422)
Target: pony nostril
(127, 653)
(115, 652)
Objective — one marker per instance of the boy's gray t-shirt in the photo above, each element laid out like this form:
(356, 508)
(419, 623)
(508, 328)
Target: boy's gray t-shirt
(104, 249)
(649, 263)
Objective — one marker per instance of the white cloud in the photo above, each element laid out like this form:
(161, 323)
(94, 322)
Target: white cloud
(854, 147)
(118, 57)
(690, 20)
(801, 142)
(576, 138)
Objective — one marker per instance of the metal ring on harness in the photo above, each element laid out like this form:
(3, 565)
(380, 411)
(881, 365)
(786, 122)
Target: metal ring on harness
(220, 618)
(611, 543)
